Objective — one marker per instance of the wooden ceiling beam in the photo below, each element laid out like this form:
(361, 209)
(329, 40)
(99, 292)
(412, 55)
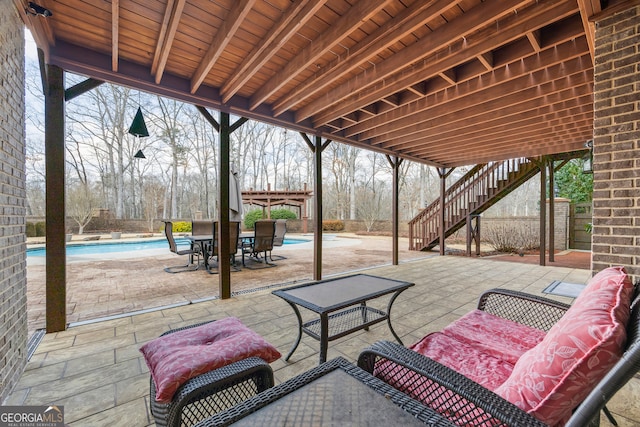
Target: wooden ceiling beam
(463, 112)
(292, 19)
(499, 123)
(571, 134)
(413, 17)
(344, 26)
(449, 76)
(534, 38)
(589, 8)
(223, 36)
(570, 140)
(519, 69)
(170, 22)
(486, 59)
(115, 31)
(502, 135)
(513, 66)
(343, 100)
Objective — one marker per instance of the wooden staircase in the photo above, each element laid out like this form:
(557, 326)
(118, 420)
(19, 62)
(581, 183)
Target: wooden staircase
(479, 189)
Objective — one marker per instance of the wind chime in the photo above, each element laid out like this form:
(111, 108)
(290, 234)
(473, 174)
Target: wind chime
(138, 128)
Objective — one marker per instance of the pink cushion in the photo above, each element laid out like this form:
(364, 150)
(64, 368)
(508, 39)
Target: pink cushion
(480, 346)
(551, 379)
(467, 359)
(177, 357)
(499, 337)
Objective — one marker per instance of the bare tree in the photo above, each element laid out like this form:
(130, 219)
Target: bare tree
(169, 122)
(81, 203)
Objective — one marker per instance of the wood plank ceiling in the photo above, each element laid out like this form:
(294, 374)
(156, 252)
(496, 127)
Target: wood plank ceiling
(444, 82)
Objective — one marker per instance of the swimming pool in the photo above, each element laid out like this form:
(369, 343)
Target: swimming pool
(124, 246)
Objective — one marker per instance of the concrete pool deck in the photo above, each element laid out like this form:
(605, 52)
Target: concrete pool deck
(112, 284)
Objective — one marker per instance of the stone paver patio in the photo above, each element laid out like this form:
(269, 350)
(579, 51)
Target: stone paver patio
(97, 373)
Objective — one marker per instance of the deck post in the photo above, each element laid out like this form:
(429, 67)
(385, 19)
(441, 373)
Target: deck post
(442, 172)
(224, 268)
(317, 147)
(395, 163)
(543, 211)
(552, 218)
(56, 269)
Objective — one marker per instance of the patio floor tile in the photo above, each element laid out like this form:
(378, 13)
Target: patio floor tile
(96, 371)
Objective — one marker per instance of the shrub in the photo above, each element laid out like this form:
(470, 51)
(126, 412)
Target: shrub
(332, 225)
(251, 217)
(283, 214)
(181, 227)
(511, 238)
(30, 229)
(41, 229)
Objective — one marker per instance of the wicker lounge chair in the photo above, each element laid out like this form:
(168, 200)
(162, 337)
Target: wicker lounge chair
(466, 402)
(173, 247)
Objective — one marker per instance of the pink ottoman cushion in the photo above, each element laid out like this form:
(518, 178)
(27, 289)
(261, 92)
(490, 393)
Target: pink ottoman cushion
(177, 357)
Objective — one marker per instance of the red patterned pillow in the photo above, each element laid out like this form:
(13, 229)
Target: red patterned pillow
(551, 379)
(177, 357)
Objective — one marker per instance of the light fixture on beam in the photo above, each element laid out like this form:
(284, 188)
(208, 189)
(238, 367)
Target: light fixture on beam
(37, 10)
(587, 160)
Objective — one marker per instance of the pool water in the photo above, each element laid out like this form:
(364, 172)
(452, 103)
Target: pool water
(109, 247)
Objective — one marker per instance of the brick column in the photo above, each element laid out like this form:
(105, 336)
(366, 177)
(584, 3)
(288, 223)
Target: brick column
(616, 183)
(13, 283)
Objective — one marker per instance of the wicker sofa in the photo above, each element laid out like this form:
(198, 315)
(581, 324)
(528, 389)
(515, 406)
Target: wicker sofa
(465, 401)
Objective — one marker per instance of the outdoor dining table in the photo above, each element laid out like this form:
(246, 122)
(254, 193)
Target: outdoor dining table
(201, 240)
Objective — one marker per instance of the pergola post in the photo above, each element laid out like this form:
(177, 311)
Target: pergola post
(56, 270)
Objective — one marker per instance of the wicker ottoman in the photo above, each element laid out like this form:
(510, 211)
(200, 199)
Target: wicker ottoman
(214, 391)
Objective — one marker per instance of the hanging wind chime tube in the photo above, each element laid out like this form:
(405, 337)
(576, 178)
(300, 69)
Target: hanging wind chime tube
(138, 128)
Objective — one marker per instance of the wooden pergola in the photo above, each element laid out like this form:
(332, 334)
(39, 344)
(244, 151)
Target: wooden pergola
(269, 198)
(442, 82)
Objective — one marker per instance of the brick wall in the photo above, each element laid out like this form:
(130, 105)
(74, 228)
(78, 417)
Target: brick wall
(13, 300)
(616, 186)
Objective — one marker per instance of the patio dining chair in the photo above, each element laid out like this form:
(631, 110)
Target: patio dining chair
(194, 249)
(202, 227)
(234, 235)
(264, 233)
(278, 238)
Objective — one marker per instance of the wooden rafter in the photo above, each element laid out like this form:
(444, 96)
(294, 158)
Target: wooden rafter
(512, 76)
(220, 41)
(589, 8)
(294, 17)
(410, 19)
(439, 82)
(488, 39)
(345, 25)
(170, 22)
(115, 31)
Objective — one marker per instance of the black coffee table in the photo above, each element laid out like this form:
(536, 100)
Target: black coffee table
(336, 393)
(342, 306)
